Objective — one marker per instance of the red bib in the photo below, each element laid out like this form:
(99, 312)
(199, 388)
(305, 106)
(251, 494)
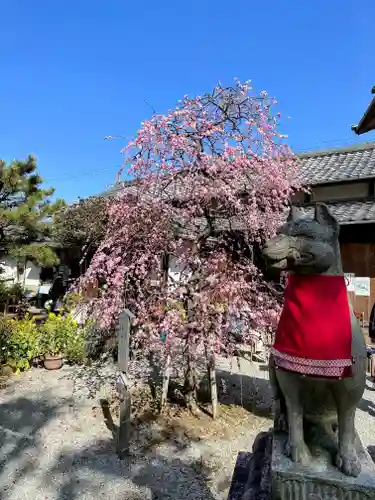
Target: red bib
(314, 335)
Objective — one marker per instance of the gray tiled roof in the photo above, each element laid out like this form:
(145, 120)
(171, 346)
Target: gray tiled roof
(346, 212)
(352, 211)
(318, 167)
(116, 188)
(334, 165)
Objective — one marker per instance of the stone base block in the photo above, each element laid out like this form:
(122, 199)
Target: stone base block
(321, 480)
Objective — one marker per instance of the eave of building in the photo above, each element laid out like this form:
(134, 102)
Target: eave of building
(367, 123)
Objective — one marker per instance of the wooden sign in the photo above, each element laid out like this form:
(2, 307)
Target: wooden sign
(123, 332)
(122, 383)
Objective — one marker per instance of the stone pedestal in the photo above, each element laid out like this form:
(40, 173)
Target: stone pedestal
(252, 474)
(321, 480)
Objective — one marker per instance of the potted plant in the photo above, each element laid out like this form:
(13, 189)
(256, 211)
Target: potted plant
(52, 342)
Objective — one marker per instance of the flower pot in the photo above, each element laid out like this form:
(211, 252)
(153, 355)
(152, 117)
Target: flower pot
(53, 362)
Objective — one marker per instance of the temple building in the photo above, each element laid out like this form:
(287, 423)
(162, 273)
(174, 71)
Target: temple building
(344, 179)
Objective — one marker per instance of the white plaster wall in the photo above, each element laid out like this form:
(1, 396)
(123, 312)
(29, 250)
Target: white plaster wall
(174, 271)
(175, 268)
(30, 277)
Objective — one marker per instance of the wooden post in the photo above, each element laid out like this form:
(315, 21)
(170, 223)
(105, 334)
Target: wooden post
(166, 375)
(212, 383)
(372, 366)
(123, 383)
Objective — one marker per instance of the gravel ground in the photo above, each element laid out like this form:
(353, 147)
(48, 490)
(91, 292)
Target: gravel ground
(53, 445)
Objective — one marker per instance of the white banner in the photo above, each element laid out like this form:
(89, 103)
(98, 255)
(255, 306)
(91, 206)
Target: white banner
(362, 287)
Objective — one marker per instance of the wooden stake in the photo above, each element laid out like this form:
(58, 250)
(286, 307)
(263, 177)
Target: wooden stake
(213, 386)
(166, 375)
(123, 437)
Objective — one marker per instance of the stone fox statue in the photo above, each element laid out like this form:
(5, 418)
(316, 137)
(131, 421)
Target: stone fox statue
(318, 360)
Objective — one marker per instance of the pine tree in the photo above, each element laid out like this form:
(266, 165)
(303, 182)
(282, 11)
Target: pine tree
(26, 210)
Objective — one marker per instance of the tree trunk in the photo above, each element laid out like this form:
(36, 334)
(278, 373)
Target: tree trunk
(24, 272)
(190, 388)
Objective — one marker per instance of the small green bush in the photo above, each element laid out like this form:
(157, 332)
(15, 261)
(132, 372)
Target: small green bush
(75, 347)
(71, 301)
(62, 335)
(5, 339)
(22, 344)
(51, 338)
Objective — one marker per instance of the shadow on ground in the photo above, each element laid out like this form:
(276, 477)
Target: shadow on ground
(21, 422)
(156, 471)
(159, 469)
(168, 458)
(367, 406)
(251, 393)
(156, 478)
(370, 385)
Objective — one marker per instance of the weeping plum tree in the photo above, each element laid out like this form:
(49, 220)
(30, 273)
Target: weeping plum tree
(209, 183)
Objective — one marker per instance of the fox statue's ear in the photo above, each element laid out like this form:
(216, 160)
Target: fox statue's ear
(324, 216)
(294, 213)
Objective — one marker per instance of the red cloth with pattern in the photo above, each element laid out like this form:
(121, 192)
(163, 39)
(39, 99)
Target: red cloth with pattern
(314, 335)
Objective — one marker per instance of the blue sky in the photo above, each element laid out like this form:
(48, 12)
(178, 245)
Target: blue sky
(74, 72)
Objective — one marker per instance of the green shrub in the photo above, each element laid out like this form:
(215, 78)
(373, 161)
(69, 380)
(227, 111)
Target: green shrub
(62, 335)
(23, 343)
(5, 339)
(52, 335)
(74, 340)
(71, 301)
(75, 346)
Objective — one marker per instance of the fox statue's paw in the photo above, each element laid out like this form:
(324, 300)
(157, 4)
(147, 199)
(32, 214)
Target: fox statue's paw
(348, 463)
(298, 452)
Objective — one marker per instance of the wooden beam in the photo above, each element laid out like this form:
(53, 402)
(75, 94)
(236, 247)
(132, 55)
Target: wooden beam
(371, 188)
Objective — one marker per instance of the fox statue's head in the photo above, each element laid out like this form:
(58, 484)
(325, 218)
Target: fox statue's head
(305, 245)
